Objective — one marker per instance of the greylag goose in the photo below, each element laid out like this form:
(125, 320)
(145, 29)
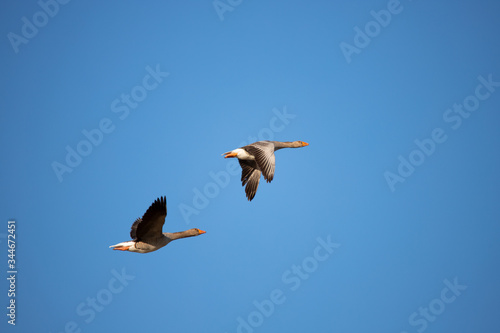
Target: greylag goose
(146, 232)
(257, 158)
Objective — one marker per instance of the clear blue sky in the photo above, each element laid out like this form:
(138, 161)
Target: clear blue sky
(387, 222)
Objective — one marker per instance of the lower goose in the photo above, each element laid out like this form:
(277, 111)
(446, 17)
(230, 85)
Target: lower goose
(146, 232)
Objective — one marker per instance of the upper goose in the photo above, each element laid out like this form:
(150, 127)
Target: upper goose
(146, 233)
(257, 158)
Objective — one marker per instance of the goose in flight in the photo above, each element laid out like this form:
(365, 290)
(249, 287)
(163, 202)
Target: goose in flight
(257, 158)
(146, 232)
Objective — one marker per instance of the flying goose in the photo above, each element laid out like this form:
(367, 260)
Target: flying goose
(257, 158)
(146, 232)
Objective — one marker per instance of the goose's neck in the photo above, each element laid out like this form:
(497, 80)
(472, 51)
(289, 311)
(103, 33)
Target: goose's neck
(280, 145)
(180, 234)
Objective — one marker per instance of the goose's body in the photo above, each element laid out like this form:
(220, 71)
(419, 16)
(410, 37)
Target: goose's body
(146, 232)
(256, 159)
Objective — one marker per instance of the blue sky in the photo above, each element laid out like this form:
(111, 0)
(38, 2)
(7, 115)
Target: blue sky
(388, 221)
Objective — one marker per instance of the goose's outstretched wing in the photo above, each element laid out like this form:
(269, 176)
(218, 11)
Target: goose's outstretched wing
(263, 151)
(151, 224)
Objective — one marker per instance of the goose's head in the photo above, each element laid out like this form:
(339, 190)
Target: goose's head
(198, 231)
(300, 144)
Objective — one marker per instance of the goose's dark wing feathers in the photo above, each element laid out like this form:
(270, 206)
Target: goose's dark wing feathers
(250, 175)
(151, 224)
(133, 229)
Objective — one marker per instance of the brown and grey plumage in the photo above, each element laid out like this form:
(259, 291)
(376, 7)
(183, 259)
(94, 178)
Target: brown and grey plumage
(258, 158)
(146, 232)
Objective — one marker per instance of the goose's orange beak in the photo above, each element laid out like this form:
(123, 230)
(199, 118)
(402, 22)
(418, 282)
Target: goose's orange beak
(230, 154)
(304, 144)
(122, 248)
(202, 231)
